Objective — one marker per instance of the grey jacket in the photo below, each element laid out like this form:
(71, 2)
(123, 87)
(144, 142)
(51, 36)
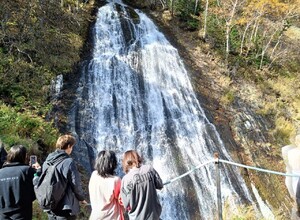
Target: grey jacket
(138, 193)
(74, 192)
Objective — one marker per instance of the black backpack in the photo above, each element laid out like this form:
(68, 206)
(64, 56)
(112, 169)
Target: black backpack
(50, 187)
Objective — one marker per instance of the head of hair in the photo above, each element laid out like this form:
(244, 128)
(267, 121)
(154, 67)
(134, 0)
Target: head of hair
(106, 163)
(17, 153)
(131, 159)
(65, 141)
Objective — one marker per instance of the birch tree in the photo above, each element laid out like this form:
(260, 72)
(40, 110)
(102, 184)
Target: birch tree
(268, 26)
(205, 20)
(230, 9)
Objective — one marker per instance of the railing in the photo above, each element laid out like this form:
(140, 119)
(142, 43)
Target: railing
(217, 161)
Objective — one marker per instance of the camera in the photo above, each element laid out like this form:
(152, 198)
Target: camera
(33, 159)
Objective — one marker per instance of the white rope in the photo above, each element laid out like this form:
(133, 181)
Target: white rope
(190, 171)
(232, 163)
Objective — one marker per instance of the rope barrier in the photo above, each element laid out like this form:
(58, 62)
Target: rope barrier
(232, 163)
(190, 171)
(216, 160)
(259, 169)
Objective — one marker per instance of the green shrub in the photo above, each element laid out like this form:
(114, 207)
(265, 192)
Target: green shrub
(37, 212)
(228, 97)
(25, 128)
(235, 40)
(216, 31)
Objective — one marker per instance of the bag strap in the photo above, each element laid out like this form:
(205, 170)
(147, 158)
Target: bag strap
(45, 171)
(57, 162)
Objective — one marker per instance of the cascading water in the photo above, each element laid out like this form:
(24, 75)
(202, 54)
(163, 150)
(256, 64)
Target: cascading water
(135, 93)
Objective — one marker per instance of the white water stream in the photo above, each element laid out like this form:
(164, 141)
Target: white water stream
(135, 93)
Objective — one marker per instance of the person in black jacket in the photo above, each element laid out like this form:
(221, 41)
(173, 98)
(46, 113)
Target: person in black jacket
(68, 207)
(16, 188)
(3, 154)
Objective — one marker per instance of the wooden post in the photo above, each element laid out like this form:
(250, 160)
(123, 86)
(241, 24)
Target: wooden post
(218, 182)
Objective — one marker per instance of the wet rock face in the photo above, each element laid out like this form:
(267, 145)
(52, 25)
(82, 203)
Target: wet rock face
(127, 27)
(138, 3)
(246, 134)
(249, 128)
(251, 133)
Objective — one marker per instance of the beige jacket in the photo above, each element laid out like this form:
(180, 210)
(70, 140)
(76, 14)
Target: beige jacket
(104, 197)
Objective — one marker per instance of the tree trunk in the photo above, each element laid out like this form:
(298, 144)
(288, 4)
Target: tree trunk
(172, 8)
(196, 4)
(255, 27)
(205, 19)
(268, 44)
(228, 28)
(244, 36)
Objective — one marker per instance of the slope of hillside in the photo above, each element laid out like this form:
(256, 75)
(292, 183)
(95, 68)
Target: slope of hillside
(240, 108)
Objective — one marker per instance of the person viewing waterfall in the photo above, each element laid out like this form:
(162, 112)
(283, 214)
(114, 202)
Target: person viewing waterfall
(16, 187)
(104, 188)
(138, 189)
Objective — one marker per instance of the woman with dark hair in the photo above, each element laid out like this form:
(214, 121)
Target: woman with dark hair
(138, 188)
(16, 188)
(104, 188)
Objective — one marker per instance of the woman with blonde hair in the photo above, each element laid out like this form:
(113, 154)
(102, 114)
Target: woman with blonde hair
(138, 188)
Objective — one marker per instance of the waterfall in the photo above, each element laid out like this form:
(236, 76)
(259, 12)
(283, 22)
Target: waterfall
(135, 93)
(56, 86)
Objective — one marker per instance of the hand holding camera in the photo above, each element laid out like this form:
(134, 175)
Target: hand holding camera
(33, 162)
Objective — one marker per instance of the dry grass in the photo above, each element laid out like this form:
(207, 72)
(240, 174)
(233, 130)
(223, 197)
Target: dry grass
(293, 33)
